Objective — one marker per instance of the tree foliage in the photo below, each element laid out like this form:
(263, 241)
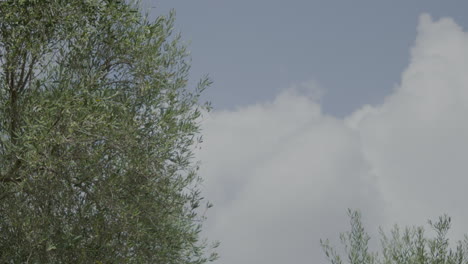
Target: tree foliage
(97, 128)
(409, 246)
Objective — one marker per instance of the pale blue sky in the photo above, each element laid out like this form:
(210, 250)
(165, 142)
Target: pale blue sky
(280, 173)
(252, 49)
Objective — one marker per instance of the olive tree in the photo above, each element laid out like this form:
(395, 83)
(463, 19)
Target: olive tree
(97, 127)
(408, 246)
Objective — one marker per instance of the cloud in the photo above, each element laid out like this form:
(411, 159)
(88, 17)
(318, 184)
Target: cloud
(417, 141)
(279, 173)
(282, 173)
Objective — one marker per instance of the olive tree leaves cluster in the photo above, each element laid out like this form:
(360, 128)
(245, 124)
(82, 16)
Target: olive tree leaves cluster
(97, 127)
(408, 246)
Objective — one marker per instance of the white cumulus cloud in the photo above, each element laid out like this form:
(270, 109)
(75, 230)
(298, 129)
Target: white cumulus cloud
(282, 174)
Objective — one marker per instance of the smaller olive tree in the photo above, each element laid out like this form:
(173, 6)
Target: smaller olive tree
(408, 246)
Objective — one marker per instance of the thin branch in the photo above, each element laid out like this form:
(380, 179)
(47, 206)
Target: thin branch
(28, 75)
(23, 69)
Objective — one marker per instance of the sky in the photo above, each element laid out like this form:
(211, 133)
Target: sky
(320, 106)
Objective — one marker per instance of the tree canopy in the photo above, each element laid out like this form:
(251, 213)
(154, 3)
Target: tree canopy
(407, 246)
(97, 128)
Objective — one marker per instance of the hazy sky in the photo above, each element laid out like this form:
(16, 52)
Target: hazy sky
(322, 106)
(252, 49)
